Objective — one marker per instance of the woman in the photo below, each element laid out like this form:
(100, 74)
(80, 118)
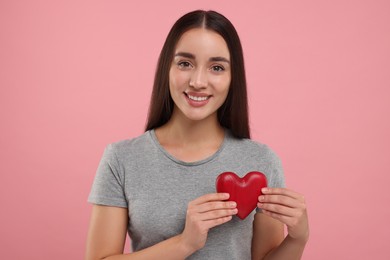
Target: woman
(160, 186)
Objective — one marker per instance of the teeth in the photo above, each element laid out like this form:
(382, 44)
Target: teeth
(197, 98)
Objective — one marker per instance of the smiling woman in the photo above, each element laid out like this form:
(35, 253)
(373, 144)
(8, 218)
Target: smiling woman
(233, 114)
(159, 187)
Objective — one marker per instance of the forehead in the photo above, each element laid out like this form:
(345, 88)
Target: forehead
(203, 43)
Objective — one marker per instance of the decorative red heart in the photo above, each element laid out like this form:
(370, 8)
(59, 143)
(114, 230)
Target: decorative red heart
(244, 191)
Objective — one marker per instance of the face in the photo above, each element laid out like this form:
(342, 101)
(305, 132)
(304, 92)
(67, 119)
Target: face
(199, 77)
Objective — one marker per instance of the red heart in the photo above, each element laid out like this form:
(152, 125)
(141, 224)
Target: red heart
(244, 191)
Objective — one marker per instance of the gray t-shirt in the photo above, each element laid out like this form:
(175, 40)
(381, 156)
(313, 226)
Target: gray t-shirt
(139, 174)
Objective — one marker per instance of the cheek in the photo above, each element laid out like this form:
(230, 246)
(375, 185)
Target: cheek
(174, 83)
(222, 84)
(177, 79)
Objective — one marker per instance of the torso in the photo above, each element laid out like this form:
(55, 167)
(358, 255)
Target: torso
(156, 188)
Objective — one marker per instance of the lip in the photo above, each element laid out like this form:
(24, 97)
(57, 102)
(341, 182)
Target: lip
(195, 103)
(197, 94)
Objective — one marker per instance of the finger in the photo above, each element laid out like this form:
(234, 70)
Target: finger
(216, 222)
(216, 205)
(282, 218)
(283, 191)
(210, 197)
(215, 214)
(281, 200)
(288, 221)
(279, 209)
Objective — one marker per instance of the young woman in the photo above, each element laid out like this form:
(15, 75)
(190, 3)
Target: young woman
(160, 186)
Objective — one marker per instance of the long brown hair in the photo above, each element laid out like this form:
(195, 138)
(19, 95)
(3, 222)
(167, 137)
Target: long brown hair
(233, 114)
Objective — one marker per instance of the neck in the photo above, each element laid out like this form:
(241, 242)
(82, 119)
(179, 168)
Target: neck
(181, 130)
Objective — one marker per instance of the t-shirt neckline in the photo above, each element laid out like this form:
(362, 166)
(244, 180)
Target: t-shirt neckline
(153, 136)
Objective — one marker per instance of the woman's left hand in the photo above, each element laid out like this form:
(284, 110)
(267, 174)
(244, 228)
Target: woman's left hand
(287, 206)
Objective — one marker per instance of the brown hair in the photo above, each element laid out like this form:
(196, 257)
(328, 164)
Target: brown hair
(233, 114)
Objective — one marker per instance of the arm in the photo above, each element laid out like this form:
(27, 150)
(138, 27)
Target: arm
(268, 233)
(108, 226)
(286, 207)
(107, 235)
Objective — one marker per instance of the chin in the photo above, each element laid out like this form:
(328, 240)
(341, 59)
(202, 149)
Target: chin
(199, 118)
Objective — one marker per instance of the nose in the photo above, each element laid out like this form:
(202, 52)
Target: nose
(199, 79)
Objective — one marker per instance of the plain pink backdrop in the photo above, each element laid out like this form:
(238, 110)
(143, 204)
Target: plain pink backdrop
(77, 75)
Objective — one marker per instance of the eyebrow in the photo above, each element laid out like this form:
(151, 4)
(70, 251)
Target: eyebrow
(192, 56)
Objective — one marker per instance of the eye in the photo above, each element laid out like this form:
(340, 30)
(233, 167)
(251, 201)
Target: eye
(184, 64)
(217, 68)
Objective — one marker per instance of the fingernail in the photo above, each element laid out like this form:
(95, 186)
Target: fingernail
(264, 189)
(261, 198)
(233, 204)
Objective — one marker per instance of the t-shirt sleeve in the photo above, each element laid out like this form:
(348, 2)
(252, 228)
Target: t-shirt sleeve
(108, 185)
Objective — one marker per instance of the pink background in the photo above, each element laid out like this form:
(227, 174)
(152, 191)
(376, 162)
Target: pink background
(77, 75)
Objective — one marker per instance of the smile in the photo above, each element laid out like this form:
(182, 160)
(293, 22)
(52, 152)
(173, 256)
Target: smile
(198, 98)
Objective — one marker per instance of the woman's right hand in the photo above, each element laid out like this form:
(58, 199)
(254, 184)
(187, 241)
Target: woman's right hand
(204, 213)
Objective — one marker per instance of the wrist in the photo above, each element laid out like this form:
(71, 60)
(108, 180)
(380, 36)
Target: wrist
(302, 240)
(184, 247)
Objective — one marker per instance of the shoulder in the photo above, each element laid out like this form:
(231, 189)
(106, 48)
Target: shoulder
(123, 148)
